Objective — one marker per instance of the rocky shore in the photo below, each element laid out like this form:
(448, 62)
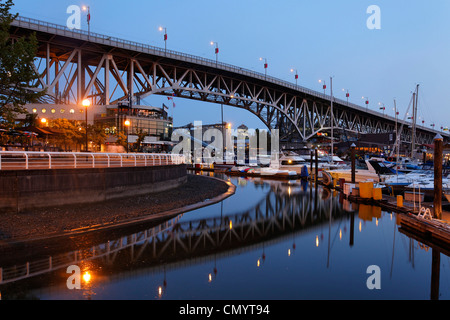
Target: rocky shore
(39, 223)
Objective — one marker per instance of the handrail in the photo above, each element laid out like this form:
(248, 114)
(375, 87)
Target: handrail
(27, 160)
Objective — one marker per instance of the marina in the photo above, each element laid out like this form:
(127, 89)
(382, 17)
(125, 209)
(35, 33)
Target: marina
(139, 163)
(292, 240)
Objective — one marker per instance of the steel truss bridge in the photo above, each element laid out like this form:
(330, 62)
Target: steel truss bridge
(283, 212)
(76, 64)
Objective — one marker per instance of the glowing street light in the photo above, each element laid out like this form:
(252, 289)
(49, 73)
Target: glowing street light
(127, 123)
(86, 8)
(346, 94)
(216, 50)
(366, 102)
(296, 75)
(382, 107)
(324, 86)
(165, 37)
(265, 66)
(86, 103)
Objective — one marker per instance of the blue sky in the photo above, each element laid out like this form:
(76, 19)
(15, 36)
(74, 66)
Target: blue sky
(318, 38)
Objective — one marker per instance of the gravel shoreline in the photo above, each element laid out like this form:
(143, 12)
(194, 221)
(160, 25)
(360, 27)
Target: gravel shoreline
(57, 220)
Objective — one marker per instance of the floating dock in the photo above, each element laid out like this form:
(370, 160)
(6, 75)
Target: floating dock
(413, 218)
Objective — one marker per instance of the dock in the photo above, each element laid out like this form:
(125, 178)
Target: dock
(412, 219)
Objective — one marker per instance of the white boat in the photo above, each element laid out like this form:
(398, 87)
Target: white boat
(292, 161)
(361, 175)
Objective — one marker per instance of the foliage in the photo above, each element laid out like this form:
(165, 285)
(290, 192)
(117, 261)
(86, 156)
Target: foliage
(17, 73)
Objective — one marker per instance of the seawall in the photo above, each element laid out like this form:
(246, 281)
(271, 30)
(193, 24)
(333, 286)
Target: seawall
(26, 189)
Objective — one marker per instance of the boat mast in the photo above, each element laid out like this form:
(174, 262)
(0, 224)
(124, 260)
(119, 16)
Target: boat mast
(397, 140)
(413, 138)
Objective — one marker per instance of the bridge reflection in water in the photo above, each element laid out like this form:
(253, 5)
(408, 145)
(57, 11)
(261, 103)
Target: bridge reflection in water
(284, 211)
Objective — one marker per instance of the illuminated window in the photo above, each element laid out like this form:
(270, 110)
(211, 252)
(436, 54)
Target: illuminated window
(34, 110)
(44, 110)
(81, 110)
(53, 110)
(72, 111)
(62, 110)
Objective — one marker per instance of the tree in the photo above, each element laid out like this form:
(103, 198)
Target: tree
(17, 74)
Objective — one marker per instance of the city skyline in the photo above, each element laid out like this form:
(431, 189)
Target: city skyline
(315, 41)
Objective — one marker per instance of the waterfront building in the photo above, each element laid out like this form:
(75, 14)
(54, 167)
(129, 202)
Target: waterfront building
(148, 126)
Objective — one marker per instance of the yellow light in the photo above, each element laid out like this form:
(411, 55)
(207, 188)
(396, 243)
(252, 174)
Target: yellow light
(84, 8)
(160, 28)
(160, 291)
(86, 103)
(258, 263)
(317, 241)
(289, 252)
(127, 122)
(87, 277)
(209, 278)
(43, 120)
(231, 224)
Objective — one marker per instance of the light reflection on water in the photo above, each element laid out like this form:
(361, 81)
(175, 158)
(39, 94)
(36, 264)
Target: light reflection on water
(271, 240)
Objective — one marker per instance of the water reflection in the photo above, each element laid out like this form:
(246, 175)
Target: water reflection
(282, 215)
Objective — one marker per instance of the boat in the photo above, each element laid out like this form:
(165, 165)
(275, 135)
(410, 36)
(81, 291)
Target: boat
(292, 161)
(268, 172)
(297, 161)
(373, 172)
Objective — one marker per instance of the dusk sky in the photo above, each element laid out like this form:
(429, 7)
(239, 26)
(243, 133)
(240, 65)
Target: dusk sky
(318, 38)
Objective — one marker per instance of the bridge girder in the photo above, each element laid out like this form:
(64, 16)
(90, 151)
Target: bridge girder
(74, 66)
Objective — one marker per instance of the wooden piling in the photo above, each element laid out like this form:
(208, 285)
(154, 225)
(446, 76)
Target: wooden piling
(438, 154)
(316, 153)
(353, 146)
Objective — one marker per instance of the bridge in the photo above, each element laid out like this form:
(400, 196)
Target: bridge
(76, 64)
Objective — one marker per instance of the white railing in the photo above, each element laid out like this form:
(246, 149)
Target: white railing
(27, 160)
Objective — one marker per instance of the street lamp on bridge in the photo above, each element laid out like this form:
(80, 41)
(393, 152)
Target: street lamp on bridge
(86, 8)
(296, 75)
(324, 86)
(216, 50)
(382, 107)
(165, 37)
(347, 95)
(366, 102)
(265, 66)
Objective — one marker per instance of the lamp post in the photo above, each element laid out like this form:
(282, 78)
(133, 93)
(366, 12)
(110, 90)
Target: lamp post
(165, 37)
(382, 107)
(296, 76)
(127, 124)
(324, 86)
(86, 8)
(216, 50)
(86, 103)
(346, 95)
(366, 102)
(265, 67)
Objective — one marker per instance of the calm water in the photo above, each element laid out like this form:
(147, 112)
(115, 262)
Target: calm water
(271, 240)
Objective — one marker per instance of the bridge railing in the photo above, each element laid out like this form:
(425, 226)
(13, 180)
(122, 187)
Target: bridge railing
(28, 160)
